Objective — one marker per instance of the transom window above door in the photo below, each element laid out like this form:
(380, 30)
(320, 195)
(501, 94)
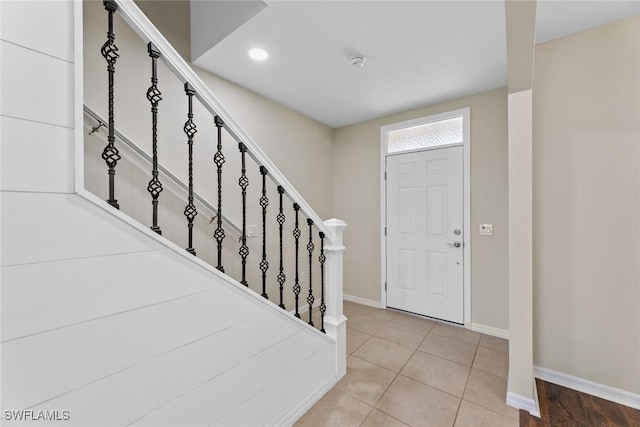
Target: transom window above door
(449, 131)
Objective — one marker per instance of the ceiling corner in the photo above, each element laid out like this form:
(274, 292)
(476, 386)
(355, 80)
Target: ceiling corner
(212, 21)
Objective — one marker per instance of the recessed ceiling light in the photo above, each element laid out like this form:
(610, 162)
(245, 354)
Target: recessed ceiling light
(258, 54)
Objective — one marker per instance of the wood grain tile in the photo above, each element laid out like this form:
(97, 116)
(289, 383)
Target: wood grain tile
(561, 406)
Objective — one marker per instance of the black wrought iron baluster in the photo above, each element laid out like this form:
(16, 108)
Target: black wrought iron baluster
(190, 130)
(218, 159)
(111, 154)
(154, 96)
(296, 235)
(244, 183)
(322, 259)
(281, 219)
(264, 202)
(310, 246)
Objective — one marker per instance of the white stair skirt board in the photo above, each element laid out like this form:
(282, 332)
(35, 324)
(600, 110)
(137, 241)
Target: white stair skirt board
(129, 333)
(177, 249)
(490, 330)
(363, 301)
(595, 389)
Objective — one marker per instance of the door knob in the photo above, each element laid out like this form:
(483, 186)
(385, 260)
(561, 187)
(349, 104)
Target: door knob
(455, 244)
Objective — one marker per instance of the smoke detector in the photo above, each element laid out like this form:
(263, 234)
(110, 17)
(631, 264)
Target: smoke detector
(357, 61)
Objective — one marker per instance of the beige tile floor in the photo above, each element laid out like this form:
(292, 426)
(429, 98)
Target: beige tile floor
(404, 370)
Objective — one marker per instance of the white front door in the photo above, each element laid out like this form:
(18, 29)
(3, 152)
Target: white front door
(425, 256)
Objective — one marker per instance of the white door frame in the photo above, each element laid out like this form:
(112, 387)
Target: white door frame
(465, 113)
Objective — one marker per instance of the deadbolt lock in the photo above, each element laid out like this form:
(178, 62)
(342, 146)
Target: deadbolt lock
(456, 232)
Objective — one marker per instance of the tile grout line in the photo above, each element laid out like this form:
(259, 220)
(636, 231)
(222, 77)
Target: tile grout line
(413, 328)
(466, 383)
(397, 375)
(465, 387)
(372, 407)
(460, 398)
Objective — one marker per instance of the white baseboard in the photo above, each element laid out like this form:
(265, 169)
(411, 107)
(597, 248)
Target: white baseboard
(299, 410)
(595, 389)
(526, 403)
(490, 330)
(363, 301)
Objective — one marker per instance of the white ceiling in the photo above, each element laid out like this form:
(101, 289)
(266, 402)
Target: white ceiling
(418, 52)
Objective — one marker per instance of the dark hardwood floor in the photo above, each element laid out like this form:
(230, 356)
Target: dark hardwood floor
(561, 406)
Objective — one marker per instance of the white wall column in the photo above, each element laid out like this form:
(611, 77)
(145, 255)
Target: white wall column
(521, 388)
(334, 320)
(521, 30)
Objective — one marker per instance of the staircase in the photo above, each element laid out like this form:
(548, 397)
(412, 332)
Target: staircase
(119, 312)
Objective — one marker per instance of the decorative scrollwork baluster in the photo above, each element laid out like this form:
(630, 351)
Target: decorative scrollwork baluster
(218, 159)
(322, 258)
(154, 96)
(264, 202)
(111, 154)
(281, 219)
(244, 183)
(310, 247)
(296, 235)
(190, 130)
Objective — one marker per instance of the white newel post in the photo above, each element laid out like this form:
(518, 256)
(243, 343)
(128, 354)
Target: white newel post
(334, 321)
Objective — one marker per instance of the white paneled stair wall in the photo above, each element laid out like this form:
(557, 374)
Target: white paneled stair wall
(100, 316)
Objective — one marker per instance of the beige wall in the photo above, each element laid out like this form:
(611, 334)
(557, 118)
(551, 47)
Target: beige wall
(282, 133)
(357, 201)
(300, 147)
(587, 205)
(173, 18)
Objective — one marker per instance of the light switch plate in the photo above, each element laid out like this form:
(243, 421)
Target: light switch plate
(486, 229)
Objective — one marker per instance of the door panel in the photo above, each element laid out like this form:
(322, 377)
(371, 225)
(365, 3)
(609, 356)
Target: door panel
(437, 274)
(406, 208)
(407, 264)
(424, 207)
(436, 210)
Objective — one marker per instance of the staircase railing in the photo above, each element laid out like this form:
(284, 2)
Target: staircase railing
(328, 234)
(102, 123)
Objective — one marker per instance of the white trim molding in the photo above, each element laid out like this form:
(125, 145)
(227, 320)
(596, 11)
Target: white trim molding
(299, 410)
(490, 330)
(525, 403)
(532, 406)
(590, 387)
(465, 113)
(363, 301)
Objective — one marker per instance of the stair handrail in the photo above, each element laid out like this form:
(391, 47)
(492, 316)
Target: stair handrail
(145, 29)
(136, 148)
